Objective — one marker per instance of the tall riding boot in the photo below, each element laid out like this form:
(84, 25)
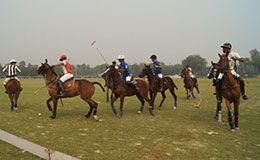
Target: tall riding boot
(61, 91)
(5, 89)
(219, 90)
(242, 88)
(132, 85)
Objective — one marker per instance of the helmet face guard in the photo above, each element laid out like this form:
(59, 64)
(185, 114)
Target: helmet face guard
(226, 45)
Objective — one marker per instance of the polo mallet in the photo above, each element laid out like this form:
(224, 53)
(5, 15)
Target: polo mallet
(100, 53)
(38, 90)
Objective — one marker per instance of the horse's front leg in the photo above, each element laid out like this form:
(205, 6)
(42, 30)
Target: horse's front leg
(218, 112)
(187, 93)
(112, 104)
(48, 103)
(230, 116)
(192, 92)
(122, 97)
(55, 102)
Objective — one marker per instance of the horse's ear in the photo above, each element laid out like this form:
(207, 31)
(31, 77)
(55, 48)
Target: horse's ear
(46, 61)
(107, 67)
(219, 55)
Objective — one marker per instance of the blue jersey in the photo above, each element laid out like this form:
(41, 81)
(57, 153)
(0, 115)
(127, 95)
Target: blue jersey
(126, 67)
(157, 70)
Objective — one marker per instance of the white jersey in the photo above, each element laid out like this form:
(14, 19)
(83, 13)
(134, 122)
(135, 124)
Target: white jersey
(232, 63)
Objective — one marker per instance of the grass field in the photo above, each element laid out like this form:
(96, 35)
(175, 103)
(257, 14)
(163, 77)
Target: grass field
(170, 134)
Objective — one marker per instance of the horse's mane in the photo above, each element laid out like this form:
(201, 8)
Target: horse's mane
(52, 69)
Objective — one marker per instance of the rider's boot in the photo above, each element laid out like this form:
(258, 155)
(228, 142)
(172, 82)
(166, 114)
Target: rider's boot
(5, 89)
(242, 88)
(61, 90)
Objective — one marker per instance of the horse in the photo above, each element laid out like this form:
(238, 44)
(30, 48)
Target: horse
(213, 73)
(13, 88)
(120, 90)
(81, 87)
(230, 90)
(189, 83)
(155, 85)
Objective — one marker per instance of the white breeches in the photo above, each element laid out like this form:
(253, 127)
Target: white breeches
(233, 72)
(65, 77)
(9, 78)
(128, 78)
(160, 75)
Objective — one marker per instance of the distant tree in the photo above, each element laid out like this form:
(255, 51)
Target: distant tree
(255, 57)
(172, 69)
(197, 63)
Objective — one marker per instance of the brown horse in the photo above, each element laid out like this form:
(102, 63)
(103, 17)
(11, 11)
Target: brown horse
(213, 73)
(189, 83)
(120, 90)
(155, 85)
(81, 87)
(13, 88)
(230, 90)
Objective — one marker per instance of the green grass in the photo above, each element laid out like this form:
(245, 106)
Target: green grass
(170, 134)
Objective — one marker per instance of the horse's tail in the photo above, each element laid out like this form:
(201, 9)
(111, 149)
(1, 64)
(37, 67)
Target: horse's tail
(14, 88)
(172, 83)
(99, 85)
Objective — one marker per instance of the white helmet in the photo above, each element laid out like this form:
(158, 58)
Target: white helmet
(12, 61)
(121, 57)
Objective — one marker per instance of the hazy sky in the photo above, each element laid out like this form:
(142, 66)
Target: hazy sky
(32, 30)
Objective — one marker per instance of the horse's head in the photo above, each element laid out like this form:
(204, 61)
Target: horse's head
(44, 67)
(146, 71)
(111, 75)
(213, 70)
(185, 73)
(223, 63)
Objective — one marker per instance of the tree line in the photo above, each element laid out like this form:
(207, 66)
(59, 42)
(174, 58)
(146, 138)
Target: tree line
(249, 68)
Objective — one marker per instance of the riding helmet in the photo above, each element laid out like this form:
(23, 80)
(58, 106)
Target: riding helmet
(226, 45)
(63, 57)
(153, 57)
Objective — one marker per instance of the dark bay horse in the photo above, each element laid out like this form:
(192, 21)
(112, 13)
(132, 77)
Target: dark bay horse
(189, 83)
(81, 87)
(13, 88)
(155, 86)
(213, 73)
(230, 90)
(120, 90)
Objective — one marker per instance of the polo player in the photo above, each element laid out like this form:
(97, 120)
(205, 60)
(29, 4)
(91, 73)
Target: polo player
(67, 74)
(124, 69)
(11, 72)
(157, 69)
(232, 57)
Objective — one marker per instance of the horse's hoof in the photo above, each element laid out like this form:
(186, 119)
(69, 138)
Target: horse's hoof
(159, 108)
(52, 117)
(87, 115)
(174, 108)
(96, 117)
(15, 108)
(232, 130)
(119, 116)
(139, 112)
(237, 128)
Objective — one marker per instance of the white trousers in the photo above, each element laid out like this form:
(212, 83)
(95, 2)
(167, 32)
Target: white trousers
(233, 72)
(160, 75)
(65, 77)
(9, 78)
(128, 78)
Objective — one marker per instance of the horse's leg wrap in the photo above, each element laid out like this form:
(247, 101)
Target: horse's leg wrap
(95, 109)
(230, 120)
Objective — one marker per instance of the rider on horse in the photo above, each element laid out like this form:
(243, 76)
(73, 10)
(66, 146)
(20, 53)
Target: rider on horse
(232, 57)
(67, 74)
(124, 69)
(157, 70)
(11, 69)
(189, 70)
(113, 65)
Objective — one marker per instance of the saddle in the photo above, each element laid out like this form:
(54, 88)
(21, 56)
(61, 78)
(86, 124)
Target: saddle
(69, 83)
